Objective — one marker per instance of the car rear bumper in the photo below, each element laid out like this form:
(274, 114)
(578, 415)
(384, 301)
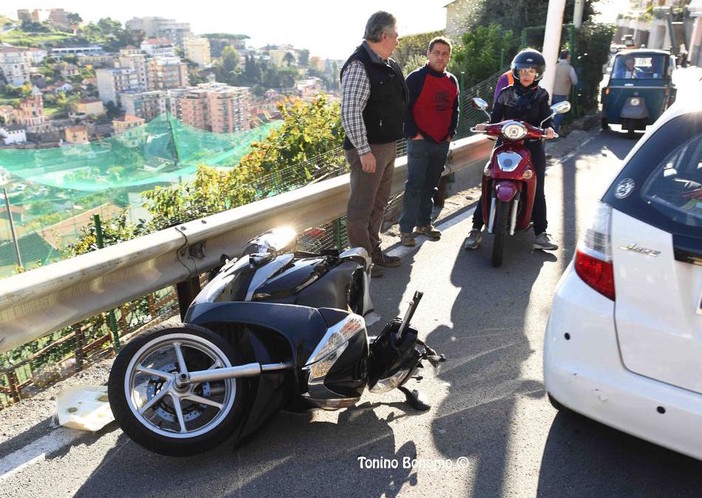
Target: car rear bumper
(584, 372)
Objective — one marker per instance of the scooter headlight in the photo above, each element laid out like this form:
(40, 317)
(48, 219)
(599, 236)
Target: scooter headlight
(334, 343)
(635, 101)
(513, 130)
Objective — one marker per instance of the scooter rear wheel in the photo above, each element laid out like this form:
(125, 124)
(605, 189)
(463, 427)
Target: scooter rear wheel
(500, 232)
(154, 401)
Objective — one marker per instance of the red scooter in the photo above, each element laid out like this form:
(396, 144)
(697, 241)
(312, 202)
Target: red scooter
(509, 178)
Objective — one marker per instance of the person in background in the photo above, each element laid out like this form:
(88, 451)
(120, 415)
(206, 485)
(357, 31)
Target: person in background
(629, 69)
(525, 101)
(565, 78)
(373, 104)
(430, 125)
(505, 79)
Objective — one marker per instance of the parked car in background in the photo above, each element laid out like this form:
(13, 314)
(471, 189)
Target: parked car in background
(623, 342)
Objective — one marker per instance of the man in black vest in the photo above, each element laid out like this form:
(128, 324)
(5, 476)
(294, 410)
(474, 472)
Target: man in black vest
(373, 103)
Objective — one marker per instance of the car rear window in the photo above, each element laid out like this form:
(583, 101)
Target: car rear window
(662, 183)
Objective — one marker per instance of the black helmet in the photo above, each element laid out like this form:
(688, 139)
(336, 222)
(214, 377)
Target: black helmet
(529, 58)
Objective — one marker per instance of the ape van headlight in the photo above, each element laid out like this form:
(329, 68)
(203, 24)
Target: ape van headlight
(333, 344)
(635, 101)
(514, 131)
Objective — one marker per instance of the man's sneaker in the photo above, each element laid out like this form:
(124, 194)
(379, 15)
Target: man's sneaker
(376, 271)
(473, 240)
(407, 239)
(544, 243)
(382, 259)
(430, 231)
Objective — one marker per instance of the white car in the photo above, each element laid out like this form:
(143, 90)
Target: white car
(623, 343)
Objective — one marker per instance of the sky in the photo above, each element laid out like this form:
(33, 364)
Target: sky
(327, 28)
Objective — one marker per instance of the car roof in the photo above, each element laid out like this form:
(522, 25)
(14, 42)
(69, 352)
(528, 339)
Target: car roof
(679, 108)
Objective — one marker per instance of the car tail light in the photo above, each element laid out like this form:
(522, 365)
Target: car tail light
(593, 257)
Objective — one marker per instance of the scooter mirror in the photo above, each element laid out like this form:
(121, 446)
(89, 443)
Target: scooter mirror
(561, 107)
(479, 103)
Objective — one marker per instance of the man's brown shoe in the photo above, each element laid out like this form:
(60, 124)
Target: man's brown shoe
(382, 259)
(430, 231)
(407, 239)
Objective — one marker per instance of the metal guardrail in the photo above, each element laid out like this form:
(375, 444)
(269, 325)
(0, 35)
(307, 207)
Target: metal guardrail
(41, 301)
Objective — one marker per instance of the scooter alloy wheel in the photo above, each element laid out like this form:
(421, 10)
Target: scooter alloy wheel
(156, 404)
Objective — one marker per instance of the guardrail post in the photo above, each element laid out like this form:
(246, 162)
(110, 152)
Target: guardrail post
(12, 380)
(187, 290)
(80, 340)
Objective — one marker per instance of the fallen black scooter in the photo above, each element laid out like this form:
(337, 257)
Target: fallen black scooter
(273, 329)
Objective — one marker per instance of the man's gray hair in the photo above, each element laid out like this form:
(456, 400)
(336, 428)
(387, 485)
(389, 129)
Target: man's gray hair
(377, 23)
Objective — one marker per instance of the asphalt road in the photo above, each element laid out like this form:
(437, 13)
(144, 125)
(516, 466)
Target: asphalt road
(491, 431)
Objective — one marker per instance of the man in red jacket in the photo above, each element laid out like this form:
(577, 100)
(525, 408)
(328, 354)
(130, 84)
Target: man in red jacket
(430, 124)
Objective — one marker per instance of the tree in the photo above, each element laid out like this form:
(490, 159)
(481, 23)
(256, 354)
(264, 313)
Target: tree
(226, 68)
(304, 59)
(289, 59)
(479, 53)
(290, 156)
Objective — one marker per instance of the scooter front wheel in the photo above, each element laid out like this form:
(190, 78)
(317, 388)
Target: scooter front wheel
(156, 404)
(500, 232)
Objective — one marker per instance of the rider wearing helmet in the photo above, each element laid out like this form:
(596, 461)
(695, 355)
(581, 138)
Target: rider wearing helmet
(525, 100)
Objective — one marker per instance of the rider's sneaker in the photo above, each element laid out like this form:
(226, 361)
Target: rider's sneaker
(407, 239)
(474, 238)
(376, 271)
(544, 243)
(430, 231)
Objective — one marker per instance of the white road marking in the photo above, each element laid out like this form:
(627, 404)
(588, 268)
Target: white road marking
(36, 452)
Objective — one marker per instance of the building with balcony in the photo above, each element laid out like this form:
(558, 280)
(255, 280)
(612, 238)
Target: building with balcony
(16, 63)
(214, 107)
(146, 105)
(113, 82)
(164, 73)
(158, 47)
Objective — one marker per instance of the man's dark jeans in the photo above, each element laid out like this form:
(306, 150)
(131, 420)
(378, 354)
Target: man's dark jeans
(425, 163)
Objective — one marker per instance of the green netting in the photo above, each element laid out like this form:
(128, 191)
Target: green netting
(54, 192)
(162, 151)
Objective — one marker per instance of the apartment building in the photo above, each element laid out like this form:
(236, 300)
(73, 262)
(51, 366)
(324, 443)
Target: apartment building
(158, 47)
(113, 82)
(135, 60)
(160, 27)
(197, 49)
(16, 63)
(146, 105)
(214, 107)
(164, 73)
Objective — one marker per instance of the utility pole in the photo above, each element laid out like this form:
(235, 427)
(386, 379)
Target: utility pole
(578, 13)
(552, 41)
